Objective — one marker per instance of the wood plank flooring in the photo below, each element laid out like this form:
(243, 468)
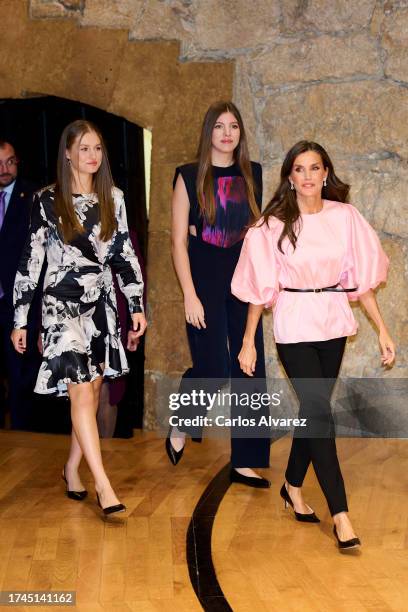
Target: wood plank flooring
(264, 560)
(132, 562)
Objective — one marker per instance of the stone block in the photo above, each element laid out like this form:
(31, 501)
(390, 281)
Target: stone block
(323, 16)
(91, 77)
(154, 66)
(51, 9)
(271, 178)
(362, 353)
(359, 119)
(364, 178)
(379, 189)
(163, 283)
(227, 25)
(167, 347)
(160, 196)
(14, 29)
(307, 59)
(111, 13)
(64, 60)
(152, 398)
(395, 42)
(46, 59)
(180, 124)
(243, 98)
(170, 20)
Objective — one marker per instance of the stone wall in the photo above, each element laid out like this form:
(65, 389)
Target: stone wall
(335, 71)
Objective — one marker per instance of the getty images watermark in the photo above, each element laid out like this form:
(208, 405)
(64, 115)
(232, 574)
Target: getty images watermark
(372, 407)
(203, 402)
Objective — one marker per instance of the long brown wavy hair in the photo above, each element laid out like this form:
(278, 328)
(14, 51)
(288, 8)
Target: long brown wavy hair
(102, 185)
(205, 184)
(284, 205)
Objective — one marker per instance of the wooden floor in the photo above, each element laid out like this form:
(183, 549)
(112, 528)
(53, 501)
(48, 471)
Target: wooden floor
(133, 563)
(264, 560)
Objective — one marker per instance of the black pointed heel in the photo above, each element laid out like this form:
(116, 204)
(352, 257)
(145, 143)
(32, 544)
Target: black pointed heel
(77, 495)
(346, 544)
(172, 454)
(302, 518)
(111, 509)
(250, 481)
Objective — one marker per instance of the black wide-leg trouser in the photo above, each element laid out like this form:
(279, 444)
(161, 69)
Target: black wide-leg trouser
(321, 362)
(215, 349)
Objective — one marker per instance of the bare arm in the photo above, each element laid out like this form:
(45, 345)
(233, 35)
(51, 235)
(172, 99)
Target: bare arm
(247, 356)
(369, 302)
(180, 207)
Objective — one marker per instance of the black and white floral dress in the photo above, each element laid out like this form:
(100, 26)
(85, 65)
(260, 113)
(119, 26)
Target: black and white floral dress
(80, 327)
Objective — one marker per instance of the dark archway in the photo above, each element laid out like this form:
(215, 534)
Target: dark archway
(34, 125)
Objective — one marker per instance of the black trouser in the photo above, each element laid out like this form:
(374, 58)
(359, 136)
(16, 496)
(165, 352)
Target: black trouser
(319, 361)
(20, 372)
(215, 349)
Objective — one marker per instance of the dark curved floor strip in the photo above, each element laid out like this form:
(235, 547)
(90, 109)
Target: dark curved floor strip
(199, 558)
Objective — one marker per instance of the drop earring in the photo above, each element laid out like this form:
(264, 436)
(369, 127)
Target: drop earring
(325, 182)
(292, 185)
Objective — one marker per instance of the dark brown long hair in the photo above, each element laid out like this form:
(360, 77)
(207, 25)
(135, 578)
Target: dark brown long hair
(205, 185)
(102, 185)
(283, 204)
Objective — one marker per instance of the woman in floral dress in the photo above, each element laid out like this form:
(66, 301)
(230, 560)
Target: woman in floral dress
(80, 225)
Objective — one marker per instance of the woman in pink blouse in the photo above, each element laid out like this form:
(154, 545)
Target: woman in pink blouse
(307, 257)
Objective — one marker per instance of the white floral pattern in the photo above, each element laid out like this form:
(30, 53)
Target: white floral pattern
(80, 327)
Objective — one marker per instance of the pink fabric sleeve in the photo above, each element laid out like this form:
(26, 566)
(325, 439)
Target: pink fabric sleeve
(366, 264)
(255, 278)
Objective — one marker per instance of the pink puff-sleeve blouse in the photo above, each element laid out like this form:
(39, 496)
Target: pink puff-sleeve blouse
(335, 245)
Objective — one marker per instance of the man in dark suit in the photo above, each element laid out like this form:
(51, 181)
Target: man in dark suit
(15, 209)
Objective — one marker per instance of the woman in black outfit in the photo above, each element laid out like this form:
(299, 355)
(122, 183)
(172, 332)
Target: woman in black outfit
(214, 201)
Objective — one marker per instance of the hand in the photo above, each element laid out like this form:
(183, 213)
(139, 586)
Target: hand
(387, 348)
(139, 324)
(19, 340)
(247, 358)
(132, 341)
(194, 312)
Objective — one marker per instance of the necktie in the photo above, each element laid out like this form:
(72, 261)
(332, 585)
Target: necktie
(2, 215)
(2, 207)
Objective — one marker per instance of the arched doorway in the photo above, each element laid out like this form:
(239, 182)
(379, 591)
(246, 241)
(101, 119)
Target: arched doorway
(34, 126)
